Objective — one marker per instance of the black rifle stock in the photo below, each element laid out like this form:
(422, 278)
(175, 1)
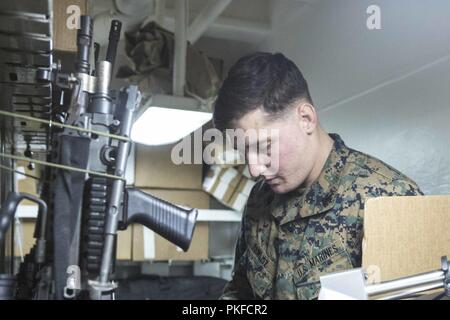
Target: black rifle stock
(169, 221)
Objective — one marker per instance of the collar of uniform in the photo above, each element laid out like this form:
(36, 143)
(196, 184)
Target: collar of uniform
(321, 195)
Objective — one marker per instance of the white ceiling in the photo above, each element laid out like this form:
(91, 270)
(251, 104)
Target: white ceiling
(240, 29)
(242, 20)
(250, 10)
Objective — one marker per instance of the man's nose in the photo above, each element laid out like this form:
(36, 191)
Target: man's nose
(256, 169)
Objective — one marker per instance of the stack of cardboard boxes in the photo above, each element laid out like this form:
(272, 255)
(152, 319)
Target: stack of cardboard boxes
(155, 173)
(230, 185)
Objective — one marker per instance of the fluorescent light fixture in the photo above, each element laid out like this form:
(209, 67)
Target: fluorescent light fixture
(158, 126)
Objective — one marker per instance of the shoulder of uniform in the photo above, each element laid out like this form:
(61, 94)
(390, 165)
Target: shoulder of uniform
(376, 177)
(364, 165)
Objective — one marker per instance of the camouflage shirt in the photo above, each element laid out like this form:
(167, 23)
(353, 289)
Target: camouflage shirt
(288, 240)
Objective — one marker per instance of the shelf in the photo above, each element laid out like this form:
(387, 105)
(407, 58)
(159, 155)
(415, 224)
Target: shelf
(27, 211)
(31, 211)
(219, 215)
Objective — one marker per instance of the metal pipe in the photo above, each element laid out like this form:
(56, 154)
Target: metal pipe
(84, 38)
(114, 37)
(205, 18)
(103, 71)
(179, 65)
(101, 101)
(405, 283)
(118, 186)
(414, 290)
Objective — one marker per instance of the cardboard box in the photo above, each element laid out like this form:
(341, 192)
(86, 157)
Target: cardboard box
(65, 39)
(154, 169)
(26, 184)
(149, 246)
(405, 235)
(24, 240)
(187, 198)
(228, 185)
(124, 244)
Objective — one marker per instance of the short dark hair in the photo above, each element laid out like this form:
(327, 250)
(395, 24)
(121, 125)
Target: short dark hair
(261, 79)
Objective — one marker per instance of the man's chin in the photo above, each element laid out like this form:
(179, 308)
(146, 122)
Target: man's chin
(279, 188)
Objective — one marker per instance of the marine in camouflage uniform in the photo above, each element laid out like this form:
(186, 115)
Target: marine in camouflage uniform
(289, 240)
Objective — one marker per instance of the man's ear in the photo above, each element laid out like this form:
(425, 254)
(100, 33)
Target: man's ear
(307, 117)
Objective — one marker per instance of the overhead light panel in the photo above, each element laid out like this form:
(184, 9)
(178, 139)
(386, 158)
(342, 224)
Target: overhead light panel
(159, 125)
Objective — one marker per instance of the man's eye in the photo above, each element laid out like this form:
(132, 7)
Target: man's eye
(269, 149)
(266, 149)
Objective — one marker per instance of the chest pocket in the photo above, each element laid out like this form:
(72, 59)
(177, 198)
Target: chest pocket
(260, 273)
(333, 258)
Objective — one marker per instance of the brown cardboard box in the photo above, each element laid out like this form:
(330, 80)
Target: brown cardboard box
(155, 169)
(149, 246)
(124, 244)
(187, 198)
(26, 232)
(65, 39)
(228, 185)
(27, 184)
(405, 235)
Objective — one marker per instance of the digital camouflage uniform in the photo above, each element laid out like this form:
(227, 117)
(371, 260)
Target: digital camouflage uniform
(288, 240)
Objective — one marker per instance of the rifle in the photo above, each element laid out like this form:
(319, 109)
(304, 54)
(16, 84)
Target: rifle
(87, 201)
